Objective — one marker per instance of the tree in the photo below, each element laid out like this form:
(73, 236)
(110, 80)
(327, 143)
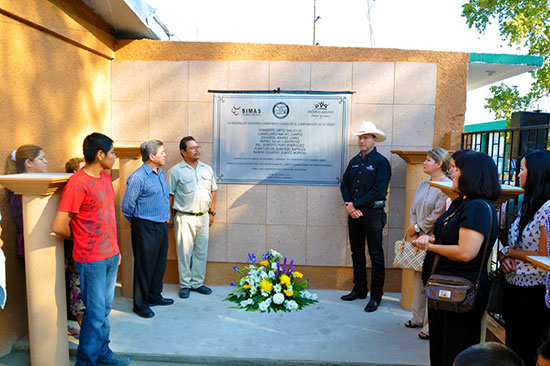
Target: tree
(523, 23)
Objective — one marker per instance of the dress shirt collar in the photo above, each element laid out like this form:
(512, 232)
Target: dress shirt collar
(184, 164)
(149, 170)
(360, 155)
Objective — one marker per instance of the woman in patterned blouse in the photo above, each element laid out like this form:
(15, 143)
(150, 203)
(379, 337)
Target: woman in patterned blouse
(526, 317)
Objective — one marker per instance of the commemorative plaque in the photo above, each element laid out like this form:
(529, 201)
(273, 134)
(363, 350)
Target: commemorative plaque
(298, 139)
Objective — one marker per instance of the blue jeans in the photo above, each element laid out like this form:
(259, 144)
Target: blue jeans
(97, 286)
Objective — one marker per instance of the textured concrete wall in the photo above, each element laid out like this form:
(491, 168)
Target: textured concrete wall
(159, 90)
(54, 67)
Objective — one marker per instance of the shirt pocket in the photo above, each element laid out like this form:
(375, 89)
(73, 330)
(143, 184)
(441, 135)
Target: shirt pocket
(187, 186)
(205, 180)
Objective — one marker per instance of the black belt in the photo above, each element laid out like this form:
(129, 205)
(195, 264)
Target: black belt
(192, 213)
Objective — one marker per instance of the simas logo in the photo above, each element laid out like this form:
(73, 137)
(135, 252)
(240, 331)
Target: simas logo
(321, 105)
(236, 110)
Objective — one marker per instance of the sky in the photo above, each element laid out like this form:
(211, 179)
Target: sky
(422, 25)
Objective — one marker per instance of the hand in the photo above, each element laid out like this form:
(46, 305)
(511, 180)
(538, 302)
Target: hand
(170, 222)
(411, 232)
(119, 258)
(349, 207)
(211, 220)
(422, 242)
(508, 264)
(356, 214)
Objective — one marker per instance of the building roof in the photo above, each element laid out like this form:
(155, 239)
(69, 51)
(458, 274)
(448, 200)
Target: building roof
(488, 68)
(130, 19)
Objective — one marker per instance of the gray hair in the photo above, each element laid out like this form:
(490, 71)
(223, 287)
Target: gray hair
(441, 155)
(149, 147)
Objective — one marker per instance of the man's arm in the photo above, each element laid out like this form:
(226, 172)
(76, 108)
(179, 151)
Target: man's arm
(60, 224)
(129, 201)
(212, 207)
(171, 220)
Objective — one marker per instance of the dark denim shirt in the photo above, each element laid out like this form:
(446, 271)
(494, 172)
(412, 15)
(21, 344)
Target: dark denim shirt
(366, 180)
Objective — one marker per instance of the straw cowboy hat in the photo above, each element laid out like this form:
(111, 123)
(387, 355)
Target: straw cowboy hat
(368, 128)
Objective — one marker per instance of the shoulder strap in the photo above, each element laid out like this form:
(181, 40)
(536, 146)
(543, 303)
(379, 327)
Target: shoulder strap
(483, 247)
(486, 241)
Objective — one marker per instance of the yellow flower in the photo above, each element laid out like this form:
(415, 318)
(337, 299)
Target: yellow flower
(247, 286)
(285, 280)
(297, 274)
(266, 285)
(264, 263)
(288, 293)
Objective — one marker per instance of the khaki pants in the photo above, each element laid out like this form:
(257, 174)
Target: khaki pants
(420, 304)
(192, 248)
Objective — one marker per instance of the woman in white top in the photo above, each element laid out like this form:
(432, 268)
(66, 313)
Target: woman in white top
(429, 203)
(526, 317)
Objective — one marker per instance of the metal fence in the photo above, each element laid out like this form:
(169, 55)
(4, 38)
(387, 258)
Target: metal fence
(507, 146)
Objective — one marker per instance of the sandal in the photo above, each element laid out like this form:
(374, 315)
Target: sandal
(423, 335)
(410, 324)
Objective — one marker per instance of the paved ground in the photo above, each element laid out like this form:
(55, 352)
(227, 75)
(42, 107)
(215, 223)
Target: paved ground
(204, 330)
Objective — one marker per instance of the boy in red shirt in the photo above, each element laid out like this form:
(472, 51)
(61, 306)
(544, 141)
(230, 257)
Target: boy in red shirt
(87, 215)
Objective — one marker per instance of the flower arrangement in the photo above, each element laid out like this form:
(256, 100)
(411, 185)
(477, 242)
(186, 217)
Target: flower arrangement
(271, 284)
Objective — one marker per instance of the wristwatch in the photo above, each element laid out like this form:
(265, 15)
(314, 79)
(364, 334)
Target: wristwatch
(504, 251)
(416, 228)
(213, 213)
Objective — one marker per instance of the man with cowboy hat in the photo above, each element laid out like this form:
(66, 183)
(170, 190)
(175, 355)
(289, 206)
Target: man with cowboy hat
(364, 187)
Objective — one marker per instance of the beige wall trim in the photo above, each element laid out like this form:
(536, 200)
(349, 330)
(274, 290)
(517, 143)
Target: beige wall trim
(452, 67)
(44, 17)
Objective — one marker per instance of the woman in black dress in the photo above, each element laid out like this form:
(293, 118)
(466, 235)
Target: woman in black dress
(458, 239)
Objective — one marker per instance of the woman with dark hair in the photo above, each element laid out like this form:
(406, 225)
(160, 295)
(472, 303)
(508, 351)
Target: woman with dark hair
(28, 159)
(526, 316)
(457, 246)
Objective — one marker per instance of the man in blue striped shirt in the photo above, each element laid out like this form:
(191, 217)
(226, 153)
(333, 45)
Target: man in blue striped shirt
(146, 205)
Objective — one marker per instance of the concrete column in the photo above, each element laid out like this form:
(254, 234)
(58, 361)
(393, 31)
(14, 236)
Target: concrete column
(414, 176)
(44, 266)
(129, 160)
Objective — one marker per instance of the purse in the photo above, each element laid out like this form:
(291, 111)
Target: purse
(407, 256)
(455, 293)
(495, 304)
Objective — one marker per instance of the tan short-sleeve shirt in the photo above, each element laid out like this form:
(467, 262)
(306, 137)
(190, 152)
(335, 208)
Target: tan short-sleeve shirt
(192, 188)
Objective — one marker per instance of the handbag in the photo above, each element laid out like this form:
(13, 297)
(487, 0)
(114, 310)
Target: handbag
(495, 304)
(407, 256)
(455, 293)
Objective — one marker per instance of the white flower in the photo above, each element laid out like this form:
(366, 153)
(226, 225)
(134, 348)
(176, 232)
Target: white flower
(275, 254)
(291, 305)
(278, 298)
(290, 288)
(271, 274)
(253, 290)
(308, 295)
(277, 288)
(247, 302)
(252, 272)
(263, 275)
(263, 306)
(265, 293)
(274, 265)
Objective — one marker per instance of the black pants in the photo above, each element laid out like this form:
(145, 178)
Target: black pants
(527, 320)
(451, 333)
(368, 226)
(150, 248)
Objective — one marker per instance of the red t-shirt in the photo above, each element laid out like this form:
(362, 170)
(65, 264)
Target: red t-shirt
(94, 223)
